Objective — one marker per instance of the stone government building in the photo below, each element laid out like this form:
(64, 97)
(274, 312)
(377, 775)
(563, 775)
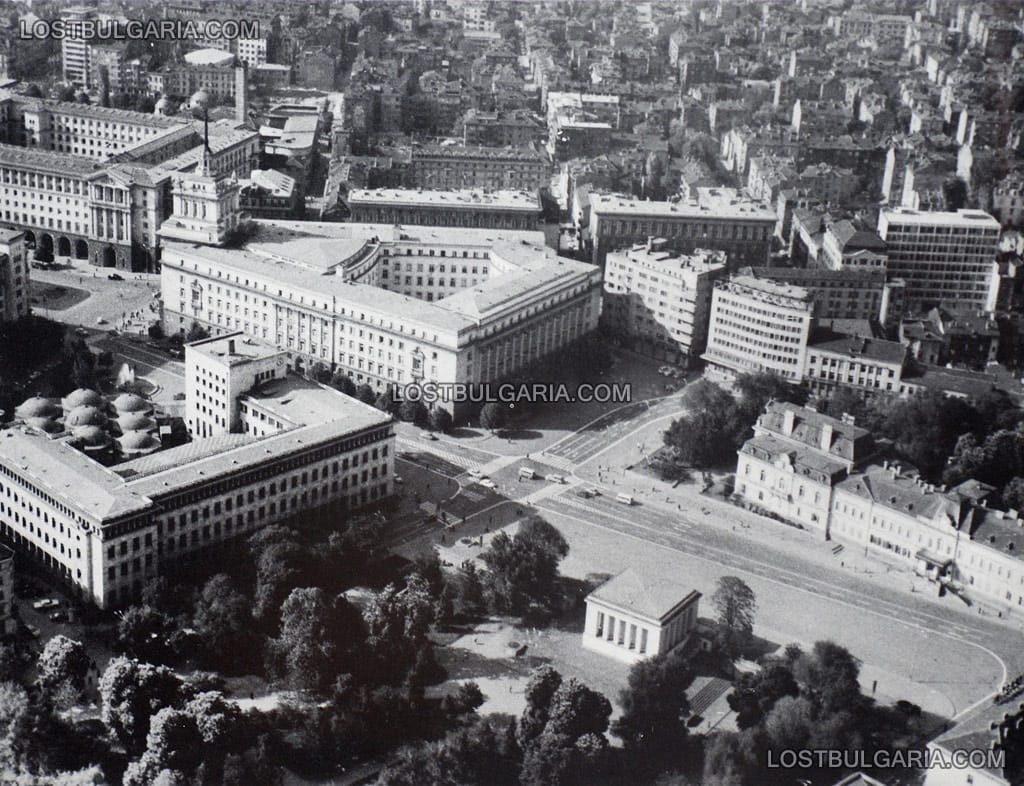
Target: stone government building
(95, 182)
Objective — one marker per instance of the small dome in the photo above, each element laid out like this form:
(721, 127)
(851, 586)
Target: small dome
(83, 397)
(92, 436)
(136, 421)
(48, 425)
(130, 402)
(138, 442)
(85, 416)
(37, 407)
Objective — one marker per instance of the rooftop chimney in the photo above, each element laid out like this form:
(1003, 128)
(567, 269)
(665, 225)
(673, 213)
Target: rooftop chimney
(231, 346)
(826, 436)
(788, 421)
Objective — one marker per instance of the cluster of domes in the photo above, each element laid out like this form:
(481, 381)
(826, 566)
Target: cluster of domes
(95, 422)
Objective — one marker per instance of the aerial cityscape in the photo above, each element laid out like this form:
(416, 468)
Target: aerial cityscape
(512, 393)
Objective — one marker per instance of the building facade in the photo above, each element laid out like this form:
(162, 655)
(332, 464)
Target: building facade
(15, 283)
(8, 623)
(758, 325)
(795, 458)
(95, 182)
(868, 365)
(828, 475)
(631, 616)
(660, 300)
(717, 219)
(455, 167)
(462, 208)
(838, 294)
(297, 450)
(943, 257)
(388, 304)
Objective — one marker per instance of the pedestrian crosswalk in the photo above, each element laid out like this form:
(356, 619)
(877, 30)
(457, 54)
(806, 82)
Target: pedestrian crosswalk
(441, 452)
(558, 462)
(546, 491)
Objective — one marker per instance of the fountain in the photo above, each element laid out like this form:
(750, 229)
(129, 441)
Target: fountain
(126, 376)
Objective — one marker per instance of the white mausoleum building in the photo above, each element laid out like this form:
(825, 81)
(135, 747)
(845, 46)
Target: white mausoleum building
(636, 615)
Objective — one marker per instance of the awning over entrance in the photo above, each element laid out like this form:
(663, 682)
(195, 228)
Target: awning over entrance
(934, 559)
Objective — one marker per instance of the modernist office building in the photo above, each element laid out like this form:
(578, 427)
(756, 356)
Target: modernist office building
(759, 325)
(289, 447)
(944, 257)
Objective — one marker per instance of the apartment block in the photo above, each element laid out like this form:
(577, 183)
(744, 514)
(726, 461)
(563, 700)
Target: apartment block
(659, 300)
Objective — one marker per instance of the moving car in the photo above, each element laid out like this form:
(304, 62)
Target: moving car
(527, 473)
(45, 603)
(115, 277)
(625, 499)
(552, 478)
(487, 483)
(430, 436)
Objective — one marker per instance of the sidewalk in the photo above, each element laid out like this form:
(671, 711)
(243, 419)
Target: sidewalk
(892, 574)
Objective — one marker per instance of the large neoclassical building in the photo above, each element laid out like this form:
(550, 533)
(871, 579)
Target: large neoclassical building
(95, 182)
(387, 304)
(89, 490)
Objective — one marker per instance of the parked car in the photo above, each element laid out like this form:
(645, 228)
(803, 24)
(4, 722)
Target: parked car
(398, 480)
(81, 332)
(555, 478)
(487, 483)
(33, 631)
(115, 277)
(430, 436)
(58, 616)
(100, 321)
(475, 473)
(46, 603)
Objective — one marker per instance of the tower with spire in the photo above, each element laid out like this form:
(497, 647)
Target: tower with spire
(205, 203)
